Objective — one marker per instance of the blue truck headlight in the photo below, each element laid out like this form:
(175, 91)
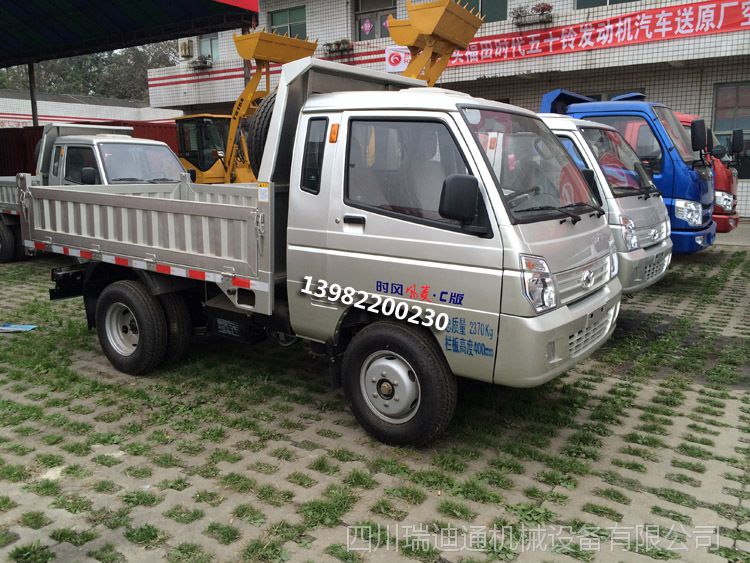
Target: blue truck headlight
(689, 211)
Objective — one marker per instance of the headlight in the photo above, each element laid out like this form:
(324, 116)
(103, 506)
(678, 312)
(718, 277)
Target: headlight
(668, 227)
(689, 211)
(725, 200)
(538, 285)
(631, 237)
(614, 266)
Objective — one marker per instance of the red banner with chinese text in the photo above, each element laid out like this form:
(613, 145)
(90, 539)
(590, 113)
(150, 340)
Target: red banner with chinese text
(251, 5)
(658, 24)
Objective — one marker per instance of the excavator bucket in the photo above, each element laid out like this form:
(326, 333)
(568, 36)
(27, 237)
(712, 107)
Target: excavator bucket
(432, 32)
(264, 46)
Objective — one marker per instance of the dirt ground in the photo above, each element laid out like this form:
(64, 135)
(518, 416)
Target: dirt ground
(242, 453)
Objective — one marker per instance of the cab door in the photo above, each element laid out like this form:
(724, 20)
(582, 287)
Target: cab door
(386, 235)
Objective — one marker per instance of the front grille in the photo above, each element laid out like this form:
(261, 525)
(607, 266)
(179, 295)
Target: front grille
(569, 284)
(584, 339)
(655, 268)
(648, 236)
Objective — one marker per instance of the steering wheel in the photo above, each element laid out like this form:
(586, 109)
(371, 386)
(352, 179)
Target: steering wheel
(527, 192)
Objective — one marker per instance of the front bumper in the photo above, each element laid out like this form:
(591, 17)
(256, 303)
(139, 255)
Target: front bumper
(726, 223)
(692, 241)
(643, 267)
(533, 350)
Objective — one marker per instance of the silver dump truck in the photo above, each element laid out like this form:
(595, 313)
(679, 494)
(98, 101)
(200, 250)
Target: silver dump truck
(637, 215)
(69, 155)
(379, 231)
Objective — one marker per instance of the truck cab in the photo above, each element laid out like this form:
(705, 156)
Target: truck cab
(635, 210)
(726, 216)
(665, 149)
(69, 155)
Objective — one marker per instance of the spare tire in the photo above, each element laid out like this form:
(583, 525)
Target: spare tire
(259, 124)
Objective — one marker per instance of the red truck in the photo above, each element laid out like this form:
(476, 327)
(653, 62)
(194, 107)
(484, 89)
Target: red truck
(725, 215)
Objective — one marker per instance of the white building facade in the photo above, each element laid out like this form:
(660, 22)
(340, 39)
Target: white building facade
(15, 109)
(693, 56)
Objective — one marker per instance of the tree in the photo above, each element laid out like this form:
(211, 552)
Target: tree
(116, 74)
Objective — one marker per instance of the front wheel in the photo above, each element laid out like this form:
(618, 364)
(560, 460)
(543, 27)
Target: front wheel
(398, 384)
(131, 326)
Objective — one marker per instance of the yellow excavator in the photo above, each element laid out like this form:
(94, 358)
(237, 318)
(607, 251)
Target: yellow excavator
(213, 145)
(217, 150)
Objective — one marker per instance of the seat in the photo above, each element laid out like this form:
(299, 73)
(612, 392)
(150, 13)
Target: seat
(426, 176)
(363, 185)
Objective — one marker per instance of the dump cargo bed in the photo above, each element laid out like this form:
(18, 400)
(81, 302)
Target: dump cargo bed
(214, 233)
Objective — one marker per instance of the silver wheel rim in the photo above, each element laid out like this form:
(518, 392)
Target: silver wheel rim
(390, 387)
(122, 329)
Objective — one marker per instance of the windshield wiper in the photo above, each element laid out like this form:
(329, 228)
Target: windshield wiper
(573, 217)
(645, 192)
(126, 180)
(160, 180)
(598, 210)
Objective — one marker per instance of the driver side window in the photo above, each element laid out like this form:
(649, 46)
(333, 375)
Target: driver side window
(76, 159)
(400, 166)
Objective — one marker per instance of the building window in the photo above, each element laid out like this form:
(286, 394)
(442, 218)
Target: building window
(583, 4)
(209, 46)
(372, 18)
(492, 10)
(289, 22)
(732, 112)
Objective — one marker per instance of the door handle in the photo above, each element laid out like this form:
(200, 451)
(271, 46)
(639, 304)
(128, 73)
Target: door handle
(354, 219)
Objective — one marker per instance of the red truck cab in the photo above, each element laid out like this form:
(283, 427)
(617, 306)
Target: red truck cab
(725, 214)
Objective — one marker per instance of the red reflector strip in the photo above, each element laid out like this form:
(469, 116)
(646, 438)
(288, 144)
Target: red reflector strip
(86, 255)
(66, 250)
(121, 261)
(163, 269)
(196, 274)
(239, 282)
(40, 245)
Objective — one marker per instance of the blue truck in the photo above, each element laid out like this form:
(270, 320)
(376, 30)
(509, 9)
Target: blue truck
(673, 156)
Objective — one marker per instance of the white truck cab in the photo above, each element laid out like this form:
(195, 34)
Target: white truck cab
(636, 213)
(70, 155)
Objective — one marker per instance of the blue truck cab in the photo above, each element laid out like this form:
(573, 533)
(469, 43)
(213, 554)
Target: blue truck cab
(672, 155)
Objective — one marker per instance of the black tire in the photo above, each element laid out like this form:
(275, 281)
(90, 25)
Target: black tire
(20, 251)
(7, 244)
(179, 326)
(436, 384)
(145, 314)
(258, 127)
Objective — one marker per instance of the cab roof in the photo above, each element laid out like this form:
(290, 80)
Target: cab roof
(556, 121)
(104, 138)
(420, 98)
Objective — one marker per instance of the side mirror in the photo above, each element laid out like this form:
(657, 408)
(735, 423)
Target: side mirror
(458, 200)
(88, 175)
(737, 145)
(590, 177)
(650, 164)
(709, 140)
(698, 135)
(719, 152)
(193, 175)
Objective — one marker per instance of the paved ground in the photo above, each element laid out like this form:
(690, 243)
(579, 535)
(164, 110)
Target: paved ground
(641, 453)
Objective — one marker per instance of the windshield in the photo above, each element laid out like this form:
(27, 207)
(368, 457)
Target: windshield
(533, 172)
(676, 132)
(621, 166)
(138, 162)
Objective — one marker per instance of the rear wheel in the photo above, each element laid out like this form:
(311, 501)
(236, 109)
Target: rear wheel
(7, 243)
(179, 326)
(131, 326)
(398, 384)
